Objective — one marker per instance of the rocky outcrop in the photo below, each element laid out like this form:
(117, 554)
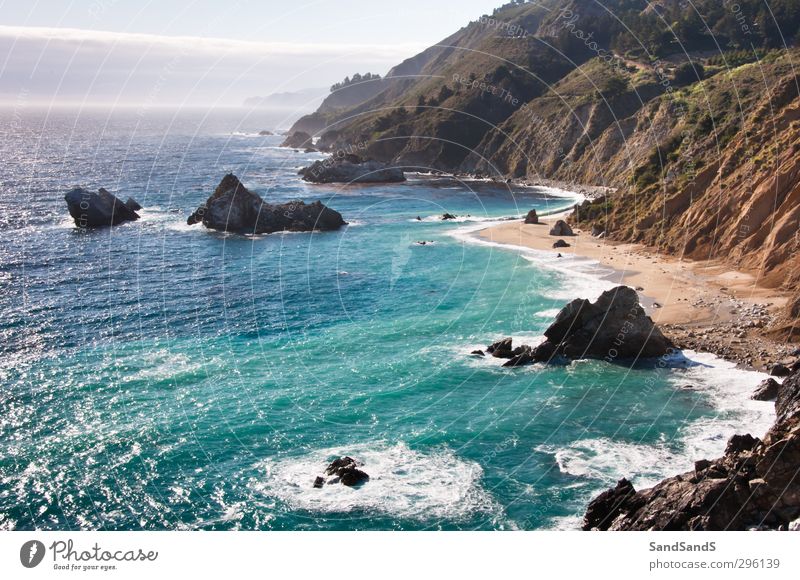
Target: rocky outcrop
(233, 208)
(767, 390)
(614, 328)
(532, 217)
(298, 140)
(91, 210)
(561, 228)
(351, 169)
(754, 485)
(344, 470)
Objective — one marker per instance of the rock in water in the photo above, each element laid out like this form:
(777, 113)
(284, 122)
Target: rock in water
(351, 169)
(298, 140)
(561, 228)
(501, 349)
(767, 390)
(346, 469)
(532, 218)
(91, 210)
(615, 327)
(753, 485)
(234, 208)
(132, 204)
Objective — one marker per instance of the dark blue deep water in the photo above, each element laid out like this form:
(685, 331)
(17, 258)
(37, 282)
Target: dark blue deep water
(161, 376)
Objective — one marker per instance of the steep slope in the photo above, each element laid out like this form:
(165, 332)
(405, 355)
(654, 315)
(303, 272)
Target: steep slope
(667, 102)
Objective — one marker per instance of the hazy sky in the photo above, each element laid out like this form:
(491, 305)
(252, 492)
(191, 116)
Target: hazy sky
(203, 52)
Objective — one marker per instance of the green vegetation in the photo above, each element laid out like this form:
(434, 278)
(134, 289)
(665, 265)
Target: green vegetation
(357, 78)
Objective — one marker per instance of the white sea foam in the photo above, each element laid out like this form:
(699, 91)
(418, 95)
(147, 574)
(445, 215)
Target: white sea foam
(580, 277)
(728, 389)
(403, 483)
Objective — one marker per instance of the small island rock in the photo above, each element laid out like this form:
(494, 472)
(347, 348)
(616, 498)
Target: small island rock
(233, 208)
(97, 209)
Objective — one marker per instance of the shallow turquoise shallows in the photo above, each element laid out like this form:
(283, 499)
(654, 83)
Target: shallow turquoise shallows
(161, 376)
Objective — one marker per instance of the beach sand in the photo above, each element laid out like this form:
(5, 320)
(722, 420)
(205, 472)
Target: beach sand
(702, 305)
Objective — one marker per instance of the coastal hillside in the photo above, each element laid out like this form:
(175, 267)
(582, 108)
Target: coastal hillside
(693, 124)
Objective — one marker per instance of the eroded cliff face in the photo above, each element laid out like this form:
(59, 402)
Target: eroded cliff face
(702, 152)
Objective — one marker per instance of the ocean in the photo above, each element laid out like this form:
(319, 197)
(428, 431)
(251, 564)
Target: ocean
(163, 376)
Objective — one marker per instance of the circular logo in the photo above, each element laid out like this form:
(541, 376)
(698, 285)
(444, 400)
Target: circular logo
(31, 553)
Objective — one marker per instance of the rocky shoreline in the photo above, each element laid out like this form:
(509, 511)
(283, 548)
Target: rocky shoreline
(753, 486)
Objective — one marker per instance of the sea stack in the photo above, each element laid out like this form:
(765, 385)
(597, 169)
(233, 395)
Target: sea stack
(97, 209)
(615, 328)
(234, 208)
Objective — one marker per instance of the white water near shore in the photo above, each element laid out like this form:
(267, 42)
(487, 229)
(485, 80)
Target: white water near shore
(604, 460)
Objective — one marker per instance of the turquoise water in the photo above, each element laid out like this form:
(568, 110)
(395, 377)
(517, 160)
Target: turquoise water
(160, 376)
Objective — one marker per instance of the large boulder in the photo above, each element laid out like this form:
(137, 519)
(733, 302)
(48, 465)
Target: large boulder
(612, 328)
(561, 228)
(298, 140)
(91, 210)
(767, 390)
(233, 208)
(351, 169)
(754, 485)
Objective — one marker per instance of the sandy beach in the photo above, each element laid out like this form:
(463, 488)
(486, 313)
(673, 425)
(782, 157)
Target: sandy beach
(702, 306)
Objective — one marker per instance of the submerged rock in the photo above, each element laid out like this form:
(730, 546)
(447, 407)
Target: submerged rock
(234, 208)
(561, 228)
(91, 210)
(753, 485)
(351, 169)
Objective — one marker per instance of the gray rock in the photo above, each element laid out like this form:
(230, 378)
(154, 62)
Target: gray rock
(91, 210)
(532, 218)
(233, 208)
(561, 228)
(561, 244)
(613, 328)
(351, 169)
(766, 391)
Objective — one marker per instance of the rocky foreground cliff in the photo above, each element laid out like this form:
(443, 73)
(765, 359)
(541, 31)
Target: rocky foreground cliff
(755, 485)
(697, 130)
